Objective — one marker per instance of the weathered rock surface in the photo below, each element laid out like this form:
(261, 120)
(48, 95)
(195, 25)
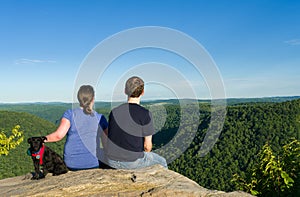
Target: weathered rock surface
(152, 181)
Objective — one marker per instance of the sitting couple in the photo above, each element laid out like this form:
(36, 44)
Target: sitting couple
(126, 139)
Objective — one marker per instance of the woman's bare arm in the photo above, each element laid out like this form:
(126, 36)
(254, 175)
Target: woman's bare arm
(61, 131)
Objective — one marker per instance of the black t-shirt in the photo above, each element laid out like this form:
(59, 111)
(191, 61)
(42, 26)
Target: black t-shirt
(128, 125)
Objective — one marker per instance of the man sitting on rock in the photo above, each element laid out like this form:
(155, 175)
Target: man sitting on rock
(130, 132)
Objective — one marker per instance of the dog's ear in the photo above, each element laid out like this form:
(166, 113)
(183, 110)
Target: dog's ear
(29, 140)
(44, 138)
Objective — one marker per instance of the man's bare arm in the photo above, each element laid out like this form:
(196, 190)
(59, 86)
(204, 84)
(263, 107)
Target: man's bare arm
(148, 143)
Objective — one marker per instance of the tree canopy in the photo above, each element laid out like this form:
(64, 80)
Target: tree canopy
(248, 127)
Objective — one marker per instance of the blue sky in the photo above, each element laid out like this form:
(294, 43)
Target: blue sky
(255, 44)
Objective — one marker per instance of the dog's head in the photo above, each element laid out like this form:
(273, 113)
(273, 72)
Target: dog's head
(36, 142)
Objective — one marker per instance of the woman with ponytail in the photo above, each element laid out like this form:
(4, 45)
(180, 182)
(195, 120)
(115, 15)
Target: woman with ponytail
(84, 128)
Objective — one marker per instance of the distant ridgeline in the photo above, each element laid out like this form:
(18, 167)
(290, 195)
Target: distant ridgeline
(249, 124)
(53, 111)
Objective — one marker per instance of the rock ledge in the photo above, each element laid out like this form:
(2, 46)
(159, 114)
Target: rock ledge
(152, 181)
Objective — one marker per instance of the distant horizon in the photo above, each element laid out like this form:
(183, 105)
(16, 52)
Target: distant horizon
(150, 100)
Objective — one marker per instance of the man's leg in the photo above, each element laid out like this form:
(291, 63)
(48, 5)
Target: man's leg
(151, 158)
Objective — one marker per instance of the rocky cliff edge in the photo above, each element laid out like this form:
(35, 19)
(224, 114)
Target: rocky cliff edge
(152, 181)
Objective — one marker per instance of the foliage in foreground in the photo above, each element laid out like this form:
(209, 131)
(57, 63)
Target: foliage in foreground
(274, 175)
(10, 142)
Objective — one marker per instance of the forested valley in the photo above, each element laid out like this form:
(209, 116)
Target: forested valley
(247, 128)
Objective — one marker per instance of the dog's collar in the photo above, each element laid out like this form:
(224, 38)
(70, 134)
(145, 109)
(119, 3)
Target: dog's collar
(39, 154)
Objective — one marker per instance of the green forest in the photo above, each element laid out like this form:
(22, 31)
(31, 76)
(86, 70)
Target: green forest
(247, 128)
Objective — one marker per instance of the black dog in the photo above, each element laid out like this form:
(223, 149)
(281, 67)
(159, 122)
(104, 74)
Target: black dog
(44, 156)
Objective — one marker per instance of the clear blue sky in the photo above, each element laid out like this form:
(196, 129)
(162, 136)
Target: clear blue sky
(255, 44)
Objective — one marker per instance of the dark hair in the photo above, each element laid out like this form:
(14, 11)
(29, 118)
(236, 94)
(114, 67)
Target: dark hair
(85, 96)
(134, 86)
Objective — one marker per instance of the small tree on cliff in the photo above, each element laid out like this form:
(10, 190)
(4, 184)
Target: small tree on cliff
(274, 175)
(10, 142)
